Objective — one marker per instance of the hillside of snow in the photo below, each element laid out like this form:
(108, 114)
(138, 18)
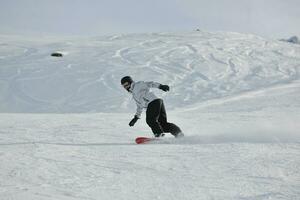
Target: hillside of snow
(199, 66)
(64, 130)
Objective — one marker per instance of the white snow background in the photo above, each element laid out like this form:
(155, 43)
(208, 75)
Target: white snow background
(64, 131)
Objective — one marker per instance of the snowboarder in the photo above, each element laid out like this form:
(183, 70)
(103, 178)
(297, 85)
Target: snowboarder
(156, 116)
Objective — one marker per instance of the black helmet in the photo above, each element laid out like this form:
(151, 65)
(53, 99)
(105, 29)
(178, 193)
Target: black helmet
(127, 79)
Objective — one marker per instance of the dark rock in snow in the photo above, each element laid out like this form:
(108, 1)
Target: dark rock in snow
(57, 54)
(293, 39)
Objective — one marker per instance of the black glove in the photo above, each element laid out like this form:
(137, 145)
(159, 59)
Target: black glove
(164, 87)
(133, 121)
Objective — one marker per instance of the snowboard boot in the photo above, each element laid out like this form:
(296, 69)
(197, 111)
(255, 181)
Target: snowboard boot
(159, 134)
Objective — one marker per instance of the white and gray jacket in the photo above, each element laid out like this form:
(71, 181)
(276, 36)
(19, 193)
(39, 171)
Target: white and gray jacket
(142, 95)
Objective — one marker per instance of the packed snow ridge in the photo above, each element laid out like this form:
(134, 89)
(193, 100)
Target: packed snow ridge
(198, 66)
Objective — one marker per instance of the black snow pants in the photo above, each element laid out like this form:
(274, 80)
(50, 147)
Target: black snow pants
(156, 118)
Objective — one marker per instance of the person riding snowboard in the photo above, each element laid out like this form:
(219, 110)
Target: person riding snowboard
(156, 116)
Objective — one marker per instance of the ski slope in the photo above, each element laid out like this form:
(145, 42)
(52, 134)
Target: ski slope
(64, 130)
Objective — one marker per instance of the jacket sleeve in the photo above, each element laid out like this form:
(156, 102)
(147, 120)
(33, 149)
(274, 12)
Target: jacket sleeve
(152, 84)
(139, 111)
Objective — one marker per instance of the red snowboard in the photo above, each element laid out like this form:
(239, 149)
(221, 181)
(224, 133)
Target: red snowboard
(144, 140)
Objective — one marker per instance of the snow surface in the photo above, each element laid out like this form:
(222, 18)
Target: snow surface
(64, 130)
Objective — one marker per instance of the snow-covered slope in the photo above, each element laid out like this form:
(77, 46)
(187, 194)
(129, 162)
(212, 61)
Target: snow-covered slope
(199, 66)
(236, 97)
